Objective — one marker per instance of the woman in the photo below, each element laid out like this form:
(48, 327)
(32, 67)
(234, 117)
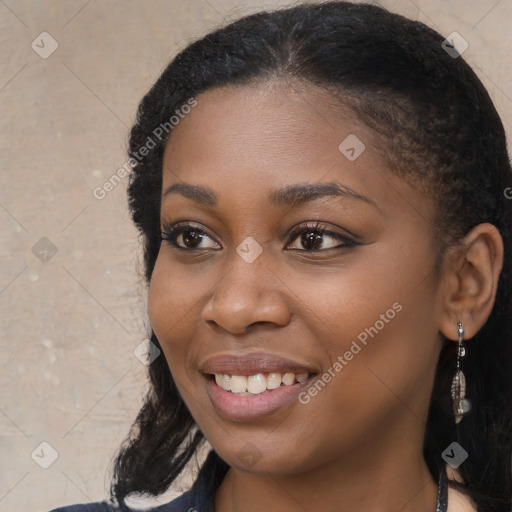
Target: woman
(322, 193)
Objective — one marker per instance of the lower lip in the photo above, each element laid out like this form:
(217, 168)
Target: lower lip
(236, 407)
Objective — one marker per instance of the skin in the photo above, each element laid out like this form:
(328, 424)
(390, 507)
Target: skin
(357, 445)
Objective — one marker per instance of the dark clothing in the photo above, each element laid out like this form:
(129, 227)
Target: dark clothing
(200, 498)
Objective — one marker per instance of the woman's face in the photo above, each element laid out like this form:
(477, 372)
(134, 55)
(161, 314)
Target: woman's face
(353, 310)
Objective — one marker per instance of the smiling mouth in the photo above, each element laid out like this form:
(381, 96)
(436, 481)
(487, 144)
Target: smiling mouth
(259, 383)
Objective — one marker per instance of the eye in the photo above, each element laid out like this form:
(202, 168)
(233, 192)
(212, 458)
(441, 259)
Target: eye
(187, 236)
(313, 238)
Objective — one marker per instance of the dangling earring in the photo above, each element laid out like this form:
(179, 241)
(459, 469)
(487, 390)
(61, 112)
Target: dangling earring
(461, 405)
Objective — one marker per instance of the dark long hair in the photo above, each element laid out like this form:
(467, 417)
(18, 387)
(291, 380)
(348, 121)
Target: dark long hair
(435, 124)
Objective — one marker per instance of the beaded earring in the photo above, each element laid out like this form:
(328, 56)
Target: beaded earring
(461, 405)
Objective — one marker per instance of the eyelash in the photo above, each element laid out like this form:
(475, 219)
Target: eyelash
(171, 232)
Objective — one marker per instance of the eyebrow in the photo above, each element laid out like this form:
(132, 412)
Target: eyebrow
(291, 195)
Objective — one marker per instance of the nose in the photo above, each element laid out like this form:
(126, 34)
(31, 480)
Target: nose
(248, 294)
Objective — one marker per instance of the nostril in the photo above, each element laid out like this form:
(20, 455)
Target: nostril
(259, 322)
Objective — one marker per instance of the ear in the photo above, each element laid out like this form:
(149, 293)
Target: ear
(471, 271)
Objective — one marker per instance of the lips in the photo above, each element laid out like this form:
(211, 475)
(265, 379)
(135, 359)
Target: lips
(240, 405)
(251, 364)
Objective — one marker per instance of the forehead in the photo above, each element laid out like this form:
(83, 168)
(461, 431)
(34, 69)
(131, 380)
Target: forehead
(293, 117)
(247, 141)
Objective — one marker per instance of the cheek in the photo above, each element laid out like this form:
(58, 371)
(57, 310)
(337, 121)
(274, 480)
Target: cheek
(173, 308)
(379, 317)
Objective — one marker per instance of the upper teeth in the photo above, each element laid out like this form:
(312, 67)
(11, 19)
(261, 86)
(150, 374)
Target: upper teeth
(258, 383)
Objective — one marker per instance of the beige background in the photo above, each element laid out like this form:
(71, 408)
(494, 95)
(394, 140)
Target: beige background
(71, 321)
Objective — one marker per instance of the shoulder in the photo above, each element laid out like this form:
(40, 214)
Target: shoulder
(183, 503)
(457, 500)
(99, 506)
(200, 497)
(180, 504)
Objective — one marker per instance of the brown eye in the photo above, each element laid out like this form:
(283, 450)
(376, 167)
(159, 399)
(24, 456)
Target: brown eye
(312, 240)
(186, 236)
(191, 238)
(316, 237)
